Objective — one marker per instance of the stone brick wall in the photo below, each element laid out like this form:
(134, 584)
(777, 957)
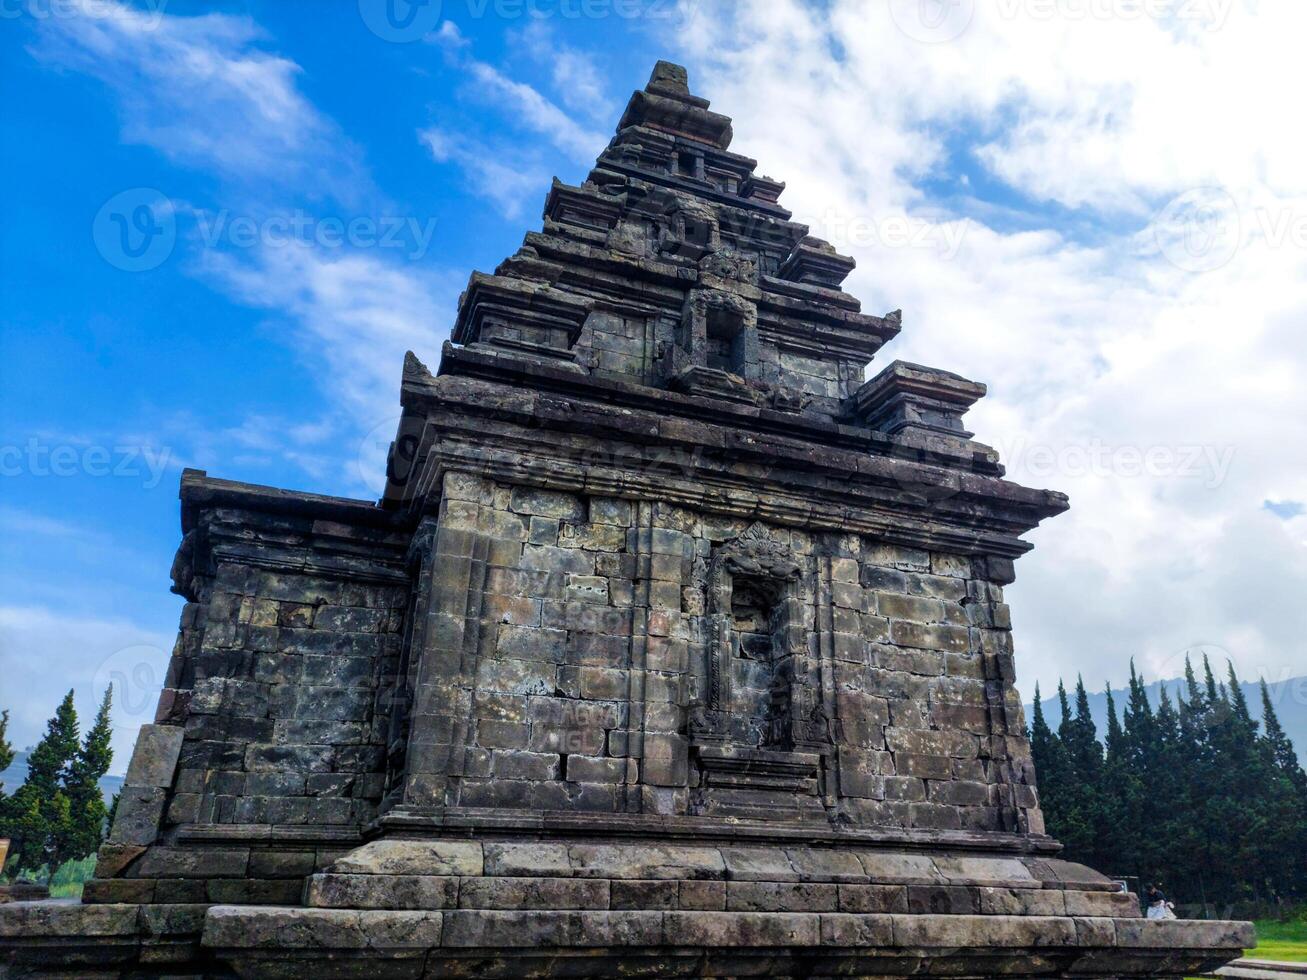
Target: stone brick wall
(593, 650)
(272, 714)
(282, 726)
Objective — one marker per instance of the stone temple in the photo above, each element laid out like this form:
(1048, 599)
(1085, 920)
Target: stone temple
(674, 649)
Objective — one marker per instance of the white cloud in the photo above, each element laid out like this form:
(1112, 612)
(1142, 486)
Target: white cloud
(575, 76)
(524, 105)
(513, 173)
(354, 315)
(501, 170)
(199, 90)
(202, 91)
(47, 651)
(1096, 344)
(501, 175)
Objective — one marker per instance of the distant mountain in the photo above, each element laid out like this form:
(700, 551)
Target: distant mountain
(1289, 698)
(12, 778)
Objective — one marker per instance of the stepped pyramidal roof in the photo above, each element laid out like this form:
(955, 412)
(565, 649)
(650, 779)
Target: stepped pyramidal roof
(673, 279)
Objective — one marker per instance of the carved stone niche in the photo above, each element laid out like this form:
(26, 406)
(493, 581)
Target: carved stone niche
(688, 229)
(759, 731)
(918, 405)
(520, 317)
(717, 349)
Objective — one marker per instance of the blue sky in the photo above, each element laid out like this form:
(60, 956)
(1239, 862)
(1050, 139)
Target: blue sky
(303, 196)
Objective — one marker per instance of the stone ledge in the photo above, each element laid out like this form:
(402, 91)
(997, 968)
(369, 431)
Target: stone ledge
(453, 821)
(338, 890)
(236, 927)
(65, 938)
(446, 857)
(290, 941)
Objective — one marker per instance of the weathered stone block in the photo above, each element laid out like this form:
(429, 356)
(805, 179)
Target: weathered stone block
(518, 929)
(371, 891)
(193, 862)
(533, 893)
(140, 810)
(780, 896)
(749, 929)
(530, 859)
(644, 894)
(413, 857)
(656, 861)
(155, 757)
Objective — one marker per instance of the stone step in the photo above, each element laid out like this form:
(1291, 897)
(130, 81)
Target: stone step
(418, 892)
(1251, 968)
(514, 943)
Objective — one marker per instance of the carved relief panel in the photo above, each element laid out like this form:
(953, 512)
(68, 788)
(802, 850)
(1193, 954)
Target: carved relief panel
(759, 730)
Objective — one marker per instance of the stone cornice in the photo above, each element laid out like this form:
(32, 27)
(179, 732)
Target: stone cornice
(285, 531)
(507, 432)
(622, 826)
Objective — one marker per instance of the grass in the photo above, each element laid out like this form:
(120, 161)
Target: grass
(1285, 941)
(68, 879)
(1282, 941)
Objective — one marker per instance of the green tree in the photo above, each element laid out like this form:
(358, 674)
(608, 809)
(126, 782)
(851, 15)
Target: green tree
(38, 813)
(1189, 795)
(6, 750)
(1080, 759)
(1120, 828)
(87, 812)
(1281, 749)
(1052, 767)
(1287, 798)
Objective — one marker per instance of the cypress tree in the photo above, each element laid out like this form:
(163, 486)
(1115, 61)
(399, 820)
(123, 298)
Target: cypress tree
(1288, 796)
(39, 810)
(1191, 796)
(1082, 738)
(1167, 836)
(1120, 828)
(1079, 784)
(6, 750)
(1210, 681)
(82, 787)
(1239, 703)
(1195, 694)
(1052, 768)
(1115, 736)
(1281, 748)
